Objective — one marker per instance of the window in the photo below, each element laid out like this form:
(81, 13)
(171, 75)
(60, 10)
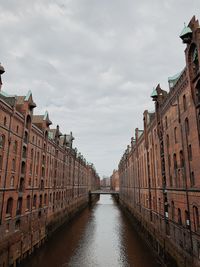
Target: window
(9, 206)
(182, 163)
(196, 218)
(190, 152)
(15, 145)
(19, 206)
(28, 202)
(166, 123)
(12, 181)
(17, 129)
(45, 199)
(17, 225)
(187, 127)
(167, 141)
(5, 121)
(23, 167)
(192, 179)
(175, 135)
(34, 201)
(187, 219)
(175, 161)
(28, 122)
(40, 203)
(24, 152)
(13, 165)
(184, 103)
(21, 185)
(198, 93)
(2, 141)
(26, 137)
(179, 217)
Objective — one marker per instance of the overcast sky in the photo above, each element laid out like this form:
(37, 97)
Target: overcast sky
(93, 63)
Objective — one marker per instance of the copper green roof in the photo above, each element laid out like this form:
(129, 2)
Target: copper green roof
(154, 93)
(185, 31)
(173, 79)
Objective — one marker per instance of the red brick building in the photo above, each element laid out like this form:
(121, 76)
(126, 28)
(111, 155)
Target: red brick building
(114, 180)
(43, 180)
(160, 171)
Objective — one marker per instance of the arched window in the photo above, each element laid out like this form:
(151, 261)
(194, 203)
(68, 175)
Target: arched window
(9, 206)
(196, 218)
(24, 152)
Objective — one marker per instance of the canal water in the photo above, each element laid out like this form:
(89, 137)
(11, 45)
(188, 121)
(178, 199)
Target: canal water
(101, 236)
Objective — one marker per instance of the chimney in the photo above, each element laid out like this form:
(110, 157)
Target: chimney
(1, 72)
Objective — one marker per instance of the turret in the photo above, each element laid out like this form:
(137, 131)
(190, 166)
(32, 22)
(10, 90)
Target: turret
(2, 70)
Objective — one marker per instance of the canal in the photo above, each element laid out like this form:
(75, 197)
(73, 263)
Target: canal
(101, 236)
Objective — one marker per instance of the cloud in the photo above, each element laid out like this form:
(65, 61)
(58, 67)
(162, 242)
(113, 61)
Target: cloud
(92, 64)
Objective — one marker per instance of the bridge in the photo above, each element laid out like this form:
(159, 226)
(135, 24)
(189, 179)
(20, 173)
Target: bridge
(104, 192)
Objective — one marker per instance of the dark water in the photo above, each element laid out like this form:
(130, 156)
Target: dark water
(100, 237)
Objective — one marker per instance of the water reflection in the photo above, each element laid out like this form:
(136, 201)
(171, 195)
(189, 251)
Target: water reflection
(99, 237)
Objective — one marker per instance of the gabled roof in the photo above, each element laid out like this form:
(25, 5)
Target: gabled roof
(27, 98)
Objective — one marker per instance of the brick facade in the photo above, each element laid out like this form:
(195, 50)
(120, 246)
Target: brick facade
(43, 180)
(160, 171)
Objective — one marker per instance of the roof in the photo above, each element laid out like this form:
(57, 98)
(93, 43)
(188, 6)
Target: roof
(173, 79)
(9, 99)
(154, 93)
(185, 31)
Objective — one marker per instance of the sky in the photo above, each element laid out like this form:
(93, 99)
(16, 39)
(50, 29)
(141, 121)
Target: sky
(92, 64)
